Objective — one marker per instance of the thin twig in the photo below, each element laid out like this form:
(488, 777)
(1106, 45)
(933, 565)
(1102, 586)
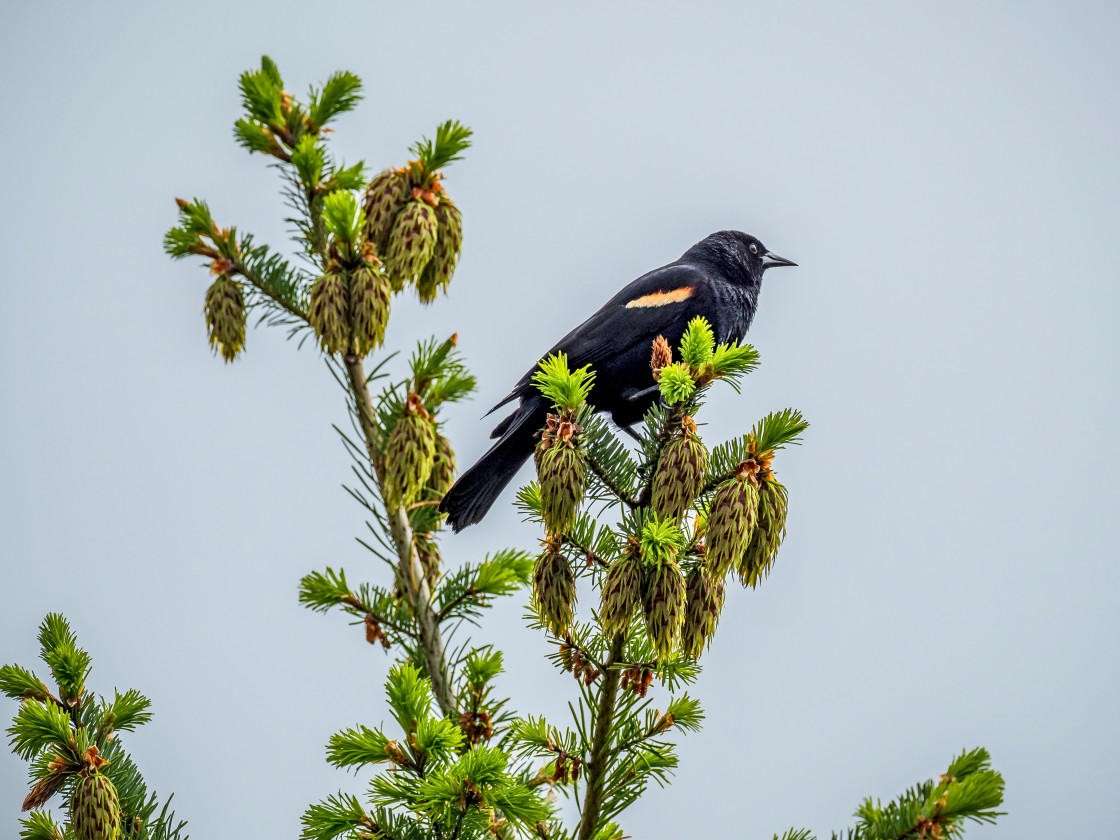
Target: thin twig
(610, 483)
(598, 759)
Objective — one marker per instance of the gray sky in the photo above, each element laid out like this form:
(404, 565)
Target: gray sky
(946, 176)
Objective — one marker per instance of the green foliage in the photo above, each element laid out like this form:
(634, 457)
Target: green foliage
(357, 747)
(320, 591)
(731, 363)
(409, 694)
(439, 374)
(698, 343)
(340, 814)
(661, 539)
(262, 93)
(969, 791)
(340, 214)
(341, 93)
(614, 474)
(127, 711)
(567, 390)
(38, 725)
(452, 139)
(309, 158)
(466, 591)
(55, 736)
(19, 683)
(676, 383)
(686, 713)
(779, 429)
(38, 825)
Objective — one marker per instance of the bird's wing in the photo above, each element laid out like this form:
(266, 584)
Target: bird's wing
(646, 308)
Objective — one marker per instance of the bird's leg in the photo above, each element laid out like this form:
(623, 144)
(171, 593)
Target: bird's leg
(630, 431)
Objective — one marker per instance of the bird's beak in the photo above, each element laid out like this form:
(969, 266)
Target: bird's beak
(770, 259)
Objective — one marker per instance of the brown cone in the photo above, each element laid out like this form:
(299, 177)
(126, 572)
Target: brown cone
(680, 473)
(769, 530)
(412, 242)
(95, 810)
(409, 454)
(731, 520)
(703, 601)
(663, 607)
(385, 196)
(449, 242)
(369, 308)
(554, 589)
(329, 312)
(621, 593)
(225, 316)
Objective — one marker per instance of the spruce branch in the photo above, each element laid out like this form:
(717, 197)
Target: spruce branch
(598, 754)
(411, 572)
(452, 139)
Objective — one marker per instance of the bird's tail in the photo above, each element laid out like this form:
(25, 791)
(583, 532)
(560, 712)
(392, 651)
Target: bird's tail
(478, 488)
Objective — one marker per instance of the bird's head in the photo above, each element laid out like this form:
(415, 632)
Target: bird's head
(737, 252)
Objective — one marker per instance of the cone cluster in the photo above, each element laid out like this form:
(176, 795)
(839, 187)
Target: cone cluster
(369, 307)
(427, 552)
(225, 316)
(409, 454)
(768, 533)
(414, 227)
(561, 472)
(741, 533)
(663, 605)
(647, 575)
(731, 520)
(443, 469)
(703, 602)
(621, 592)
(680, 472)
(349, 310)
(554, 588)
(747, 521)
(329, 312)
(95, 809)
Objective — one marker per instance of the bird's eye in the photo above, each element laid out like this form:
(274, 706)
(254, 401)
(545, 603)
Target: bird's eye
(754, 248)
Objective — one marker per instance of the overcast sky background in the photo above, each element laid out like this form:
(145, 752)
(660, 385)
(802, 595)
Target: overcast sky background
(947, 177)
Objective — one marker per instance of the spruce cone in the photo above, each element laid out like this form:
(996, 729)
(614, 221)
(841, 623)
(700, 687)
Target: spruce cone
(412, 242)
(95, 810)
(369, 308)
(703, 601)
(622, 593)
(225, 316)
(554, 589)
(385, 196)
(680, 473)
(770, 528)
(562, 478)
(409, 454)
(660, 357)
(443, 469)
(663, 606)
(561, 472)
(329, 312)
(427, 552)
(449, 242)
(732, 520)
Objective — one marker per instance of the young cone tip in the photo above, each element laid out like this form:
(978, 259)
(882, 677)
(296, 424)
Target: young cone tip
(661, 357)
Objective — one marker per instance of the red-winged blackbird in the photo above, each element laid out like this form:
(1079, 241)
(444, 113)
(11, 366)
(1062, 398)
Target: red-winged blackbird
(719, 278)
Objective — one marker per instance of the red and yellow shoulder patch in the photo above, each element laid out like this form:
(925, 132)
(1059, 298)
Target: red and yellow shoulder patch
(661, 298)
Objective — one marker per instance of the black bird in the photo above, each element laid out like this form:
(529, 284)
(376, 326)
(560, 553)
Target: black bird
(718, 277)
